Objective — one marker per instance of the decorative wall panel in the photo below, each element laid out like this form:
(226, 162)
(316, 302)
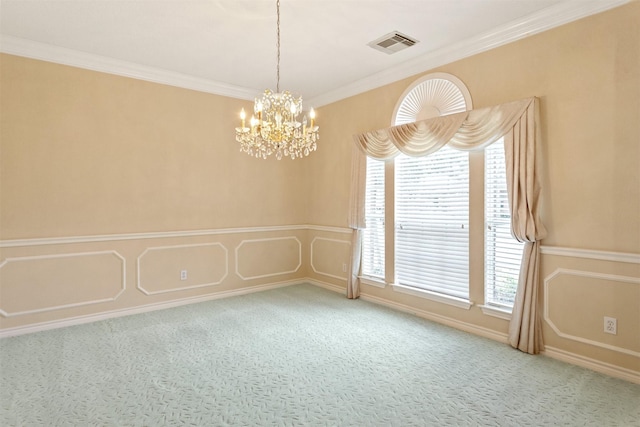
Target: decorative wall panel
(259, 258)
(330, 257)
(576, 302)
(35, 284)
(165, 269)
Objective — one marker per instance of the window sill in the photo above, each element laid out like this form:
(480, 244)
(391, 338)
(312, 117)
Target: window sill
(373, 281)
(433, 296)
(492, 310)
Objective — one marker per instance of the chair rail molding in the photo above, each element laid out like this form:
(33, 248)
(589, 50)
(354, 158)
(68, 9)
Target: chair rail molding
(591, 254)
(15, 243)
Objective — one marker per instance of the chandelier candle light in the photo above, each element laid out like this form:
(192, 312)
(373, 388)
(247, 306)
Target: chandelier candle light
(274, 127)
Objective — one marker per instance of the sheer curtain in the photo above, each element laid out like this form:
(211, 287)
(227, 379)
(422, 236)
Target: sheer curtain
(467, 131)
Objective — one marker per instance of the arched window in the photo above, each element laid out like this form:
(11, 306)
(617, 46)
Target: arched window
(431, 200)
(432, 196)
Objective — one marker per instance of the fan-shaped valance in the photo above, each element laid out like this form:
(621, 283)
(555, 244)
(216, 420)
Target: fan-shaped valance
(469, 130)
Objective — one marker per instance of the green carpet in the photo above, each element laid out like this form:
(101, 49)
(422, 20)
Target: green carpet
(299, 355)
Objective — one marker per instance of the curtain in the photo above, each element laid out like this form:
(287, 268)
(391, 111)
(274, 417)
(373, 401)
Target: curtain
(356, 218)
(518, 122)
(470, 130)
(523, 188)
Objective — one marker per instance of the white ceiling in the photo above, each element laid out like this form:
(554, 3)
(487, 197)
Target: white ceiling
(229, 46)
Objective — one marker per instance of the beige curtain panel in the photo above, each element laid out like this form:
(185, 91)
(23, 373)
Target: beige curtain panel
(523, 188)
(473, 130)
(356, 218)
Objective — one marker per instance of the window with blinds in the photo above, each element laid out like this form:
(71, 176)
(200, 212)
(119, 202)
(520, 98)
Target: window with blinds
(502, 252)
(432, 222)
(373, 235)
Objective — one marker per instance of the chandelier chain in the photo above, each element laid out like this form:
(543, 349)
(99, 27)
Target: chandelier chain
(278, 49)
(275, 127)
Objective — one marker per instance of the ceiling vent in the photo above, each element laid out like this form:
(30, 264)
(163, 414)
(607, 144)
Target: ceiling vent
(392, 42)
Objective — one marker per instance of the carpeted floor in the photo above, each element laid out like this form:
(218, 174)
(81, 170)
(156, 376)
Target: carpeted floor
(299, 355)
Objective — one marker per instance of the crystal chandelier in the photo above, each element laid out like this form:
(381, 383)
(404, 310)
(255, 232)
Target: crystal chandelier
(274, 128)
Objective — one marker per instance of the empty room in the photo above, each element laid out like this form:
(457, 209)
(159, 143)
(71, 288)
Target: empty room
(320, 212)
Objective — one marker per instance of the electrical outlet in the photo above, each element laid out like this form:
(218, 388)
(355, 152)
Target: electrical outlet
(610, 325)
(183, 275)
(344, 267)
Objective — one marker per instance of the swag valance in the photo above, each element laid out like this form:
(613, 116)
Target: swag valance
(471, 130)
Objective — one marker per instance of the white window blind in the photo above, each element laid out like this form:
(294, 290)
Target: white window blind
(432, 222)
(373, 235)
(503, 253)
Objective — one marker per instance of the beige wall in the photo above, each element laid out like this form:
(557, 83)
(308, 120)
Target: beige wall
(90, 153)
(85, 153)
(587, 76)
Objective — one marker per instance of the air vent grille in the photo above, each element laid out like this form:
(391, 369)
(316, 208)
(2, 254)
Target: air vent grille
(392, 42)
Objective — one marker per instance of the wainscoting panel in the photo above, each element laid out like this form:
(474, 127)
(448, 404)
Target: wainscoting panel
(41, 283)
(580, 287)
(165, 269)
(330, 257)
(66, 280)
(574, 317)
(261, 258)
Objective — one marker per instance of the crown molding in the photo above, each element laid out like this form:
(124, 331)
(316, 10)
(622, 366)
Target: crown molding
(50, 53)
(540, 21)
(543, 20)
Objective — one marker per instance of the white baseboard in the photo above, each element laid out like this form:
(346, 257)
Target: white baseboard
(454, 323)
(89, 318)
(593, 364)
(326, 285)
(555, 353)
